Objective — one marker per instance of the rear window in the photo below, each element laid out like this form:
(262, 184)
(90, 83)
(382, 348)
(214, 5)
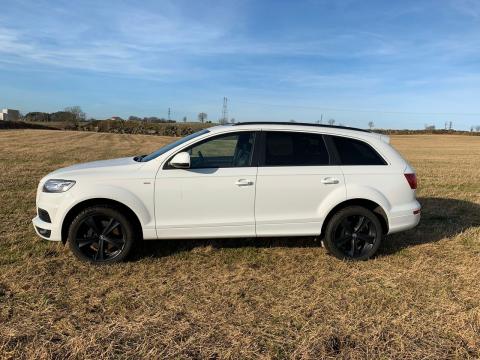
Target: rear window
(295, 149)
(356, 152)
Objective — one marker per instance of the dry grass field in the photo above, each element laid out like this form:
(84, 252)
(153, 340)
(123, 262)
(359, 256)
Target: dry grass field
(244, 298)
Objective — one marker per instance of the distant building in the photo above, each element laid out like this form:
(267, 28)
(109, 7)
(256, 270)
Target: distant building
(9, 115)
(116, 118)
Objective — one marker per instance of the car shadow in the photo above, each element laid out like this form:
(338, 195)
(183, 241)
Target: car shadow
(441, 218)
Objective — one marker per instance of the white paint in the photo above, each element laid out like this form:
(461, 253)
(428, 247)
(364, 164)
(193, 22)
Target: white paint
(235, 202)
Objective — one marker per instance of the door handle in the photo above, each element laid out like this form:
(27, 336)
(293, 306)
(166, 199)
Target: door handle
(329, 180)
(243, 182)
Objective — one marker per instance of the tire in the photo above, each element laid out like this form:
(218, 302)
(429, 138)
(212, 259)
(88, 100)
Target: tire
(353, 233)
(101, 235)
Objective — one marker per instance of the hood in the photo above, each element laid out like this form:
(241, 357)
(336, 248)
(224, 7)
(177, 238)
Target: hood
(103, 166)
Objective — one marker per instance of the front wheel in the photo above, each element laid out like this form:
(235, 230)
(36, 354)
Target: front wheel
(101, 235)
(353, 233)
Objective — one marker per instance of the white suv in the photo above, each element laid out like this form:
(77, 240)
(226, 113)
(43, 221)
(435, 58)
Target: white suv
(348, 186)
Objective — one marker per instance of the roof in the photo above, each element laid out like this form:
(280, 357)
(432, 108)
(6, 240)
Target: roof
(295, 126)
(299, 124)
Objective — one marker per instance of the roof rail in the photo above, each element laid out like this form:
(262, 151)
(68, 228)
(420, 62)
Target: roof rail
(298, 123)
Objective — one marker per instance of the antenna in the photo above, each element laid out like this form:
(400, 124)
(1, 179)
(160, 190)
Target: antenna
(224, 119)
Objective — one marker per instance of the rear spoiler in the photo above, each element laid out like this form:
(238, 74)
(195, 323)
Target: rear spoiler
(384, 138)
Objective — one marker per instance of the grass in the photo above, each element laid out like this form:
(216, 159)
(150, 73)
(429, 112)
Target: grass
(265, 298)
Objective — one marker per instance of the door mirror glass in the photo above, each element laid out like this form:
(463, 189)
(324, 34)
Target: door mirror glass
(181, 160)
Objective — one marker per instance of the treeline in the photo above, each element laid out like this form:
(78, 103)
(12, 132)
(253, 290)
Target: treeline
(59, 116)
(141, 127)
(149, 119)
(24, 125)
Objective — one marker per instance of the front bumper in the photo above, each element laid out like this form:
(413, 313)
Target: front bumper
(46, 230)
(53, 204)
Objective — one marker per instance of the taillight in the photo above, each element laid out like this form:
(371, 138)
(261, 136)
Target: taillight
(412, 180)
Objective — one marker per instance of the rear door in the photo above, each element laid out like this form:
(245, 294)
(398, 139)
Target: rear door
(295, 179)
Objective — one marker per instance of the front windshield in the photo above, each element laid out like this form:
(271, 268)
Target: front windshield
(170, 146)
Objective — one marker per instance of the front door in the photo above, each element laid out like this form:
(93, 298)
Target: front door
(215, 197)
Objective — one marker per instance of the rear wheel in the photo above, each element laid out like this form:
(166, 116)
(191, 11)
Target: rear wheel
(101, 235)
(353, 233)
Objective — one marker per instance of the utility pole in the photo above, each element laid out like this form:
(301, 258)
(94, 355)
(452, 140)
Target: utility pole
(224, 119)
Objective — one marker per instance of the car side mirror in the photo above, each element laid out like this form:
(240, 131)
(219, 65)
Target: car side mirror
(181, 160)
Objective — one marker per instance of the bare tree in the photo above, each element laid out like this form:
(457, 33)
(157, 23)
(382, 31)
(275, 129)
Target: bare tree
(77, 112)
(477, 128)
(371, 125)
(184, 119)
(331, 122)
(429, 127)
(202, 117)
(232, 120)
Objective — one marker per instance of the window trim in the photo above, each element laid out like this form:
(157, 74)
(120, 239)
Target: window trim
(263, 145)
(338, 159)
(253, 158)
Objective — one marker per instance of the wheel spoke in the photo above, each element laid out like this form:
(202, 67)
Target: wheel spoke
(367, 238)
(361, 223)
(347, 225)
(93, 225)
(100, 250)
(112, 224)
(343, 240)
(353, 248)
(84, 242)
(118, 243)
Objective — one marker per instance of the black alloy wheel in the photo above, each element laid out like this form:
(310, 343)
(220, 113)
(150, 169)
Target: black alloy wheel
(354, 233)
(101, 234)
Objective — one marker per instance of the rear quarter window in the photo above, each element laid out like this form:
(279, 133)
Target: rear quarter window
(356, 152)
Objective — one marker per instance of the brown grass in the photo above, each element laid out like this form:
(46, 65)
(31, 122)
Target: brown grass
(266, 298)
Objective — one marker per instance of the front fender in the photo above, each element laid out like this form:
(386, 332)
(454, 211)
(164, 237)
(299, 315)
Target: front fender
(110, 192)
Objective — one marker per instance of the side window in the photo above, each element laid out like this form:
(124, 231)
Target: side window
(356, 152)
(295, 149)
(229, 150)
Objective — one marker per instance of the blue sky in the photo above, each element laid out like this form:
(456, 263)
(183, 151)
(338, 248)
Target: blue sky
(401, 64)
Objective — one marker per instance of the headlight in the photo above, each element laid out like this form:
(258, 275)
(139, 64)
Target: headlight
(57, 186)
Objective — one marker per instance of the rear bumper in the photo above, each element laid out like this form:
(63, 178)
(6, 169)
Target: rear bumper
(404, 218)
(46, 230)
